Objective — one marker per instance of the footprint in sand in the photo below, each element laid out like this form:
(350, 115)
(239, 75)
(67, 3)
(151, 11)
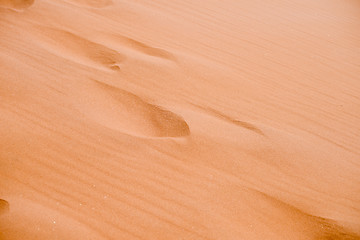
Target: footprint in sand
(123, 111)
(4, 206)
(142, 48)
(79, 49)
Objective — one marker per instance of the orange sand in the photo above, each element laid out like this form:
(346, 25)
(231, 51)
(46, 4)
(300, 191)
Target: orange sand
(179, 119)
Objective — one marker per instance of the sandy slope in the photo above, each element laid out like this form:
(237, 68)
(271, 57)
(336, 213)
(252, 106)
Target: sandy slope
(179, 119)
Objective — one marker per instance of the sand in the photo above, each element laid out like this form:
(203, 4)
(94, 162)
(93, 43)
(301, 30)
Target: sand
(179, 119)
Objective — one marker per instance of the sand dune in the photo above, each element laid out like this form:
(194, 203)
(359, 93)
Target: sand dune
(179, 119)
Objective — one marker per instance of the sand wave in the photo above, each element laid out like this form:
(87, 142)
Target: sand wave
(179, 120)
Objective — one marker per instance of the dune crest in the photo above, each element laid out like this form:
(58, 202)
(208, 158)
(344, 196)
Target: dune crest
(237, 122)
(123, 111)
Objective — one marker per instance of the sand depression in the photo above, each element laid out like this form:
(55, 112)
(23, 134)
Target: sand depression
(179, 119)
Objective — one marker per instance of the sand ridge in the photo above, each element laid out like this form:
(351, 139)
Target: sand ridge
(179, 119)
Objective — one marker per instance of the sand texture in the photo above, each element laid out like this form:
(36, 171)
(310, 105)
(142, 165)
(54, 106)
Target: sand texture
(179, 119)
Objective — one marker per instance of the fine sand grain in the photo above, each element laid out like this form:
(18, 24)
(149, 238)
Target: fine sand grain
(169, 119)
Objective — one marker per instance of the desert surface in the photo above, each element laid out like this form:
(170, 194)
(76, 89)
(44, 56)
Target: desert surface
(179, 119)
